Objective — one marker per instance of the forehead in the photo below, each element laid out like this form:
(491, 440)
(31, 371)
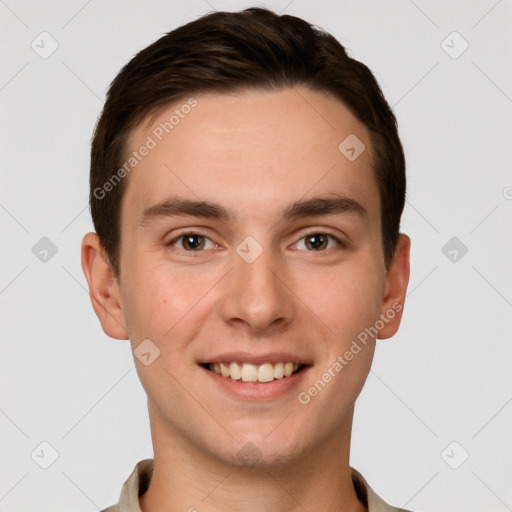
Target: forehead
(251, 149)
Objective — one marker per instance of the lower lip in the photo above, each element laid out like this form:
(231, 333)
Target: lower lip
(258, 390)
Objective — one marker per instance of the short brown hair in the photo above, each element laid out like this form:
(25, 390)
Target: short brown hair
(225, 51)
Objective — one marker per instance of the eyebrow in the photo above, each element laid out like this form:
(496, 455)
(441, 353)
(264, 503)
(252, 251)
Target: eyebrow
(179, 207)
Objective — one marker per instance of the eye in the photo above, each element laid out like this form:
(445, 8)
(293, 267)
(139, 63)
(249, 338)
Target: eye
(313, 242)
(319, 241)
(192, 242)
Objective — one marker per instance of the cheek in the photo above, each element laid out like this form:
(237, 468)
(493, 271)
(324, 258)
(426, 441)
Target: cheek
(158, 298)
(348, 304)
(347, 299)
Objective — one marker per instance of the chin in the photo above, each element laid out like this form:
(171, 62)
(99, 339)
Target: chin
(257, 451)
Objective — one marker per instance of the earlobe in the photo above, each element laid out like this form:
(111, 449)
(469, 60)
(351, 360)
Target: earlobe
(397, 279)
(103, 288)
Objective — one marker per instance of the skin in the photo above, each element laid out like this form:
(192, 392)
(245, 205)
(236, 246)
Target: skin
(254, 153)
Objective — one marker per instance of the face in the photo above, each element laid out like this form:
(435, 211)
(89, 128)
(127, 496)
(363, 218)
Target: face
(249, 239)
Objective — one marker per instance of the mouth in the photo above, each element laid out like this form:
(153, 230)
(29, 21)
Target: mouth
(255, 373)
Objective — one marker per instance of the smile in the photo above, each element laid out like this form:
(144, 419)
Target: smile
(247, 372)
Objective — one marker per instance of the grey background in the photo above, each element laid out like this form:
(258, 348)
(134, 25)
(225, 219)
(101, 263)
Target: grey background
(445, 377)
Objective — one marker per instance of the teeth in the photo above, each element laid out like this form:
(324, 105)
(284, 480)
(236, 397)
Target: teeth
(248, 372)
(224, 370)
(235, 372)
(288, 369)
(266, 373)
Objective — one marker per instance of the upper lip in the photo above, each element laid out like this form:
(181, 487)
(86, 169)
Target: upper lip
(247, 357)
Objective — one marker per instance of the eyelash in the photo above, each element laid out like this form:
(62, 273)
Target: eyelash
(341, 244)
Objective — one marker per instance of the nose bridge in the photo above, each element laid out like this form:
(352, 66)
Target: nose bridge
(257, 295)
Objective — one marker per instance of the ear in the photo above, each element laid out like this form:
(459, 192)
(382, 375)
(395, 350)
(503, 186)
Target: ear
(103, 287)
(397, 279)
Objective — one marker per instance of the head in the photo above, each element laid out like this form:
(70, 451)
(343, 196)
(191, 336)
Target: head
(251, 114)
(227, 52)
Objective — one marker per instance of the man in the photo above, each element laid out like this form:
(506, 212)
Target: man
(247, 184)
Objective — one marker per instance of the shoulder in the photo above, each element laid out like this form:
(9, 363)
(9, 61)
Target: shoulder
(136, 484)
(368, 496)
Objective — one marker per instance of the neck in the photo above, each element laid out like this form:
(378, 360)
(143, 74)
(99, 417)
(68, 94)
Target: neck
(185, 478)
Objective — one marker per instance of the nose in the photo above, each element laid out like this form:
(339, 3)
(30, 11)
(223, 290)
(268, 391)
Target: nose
(258, 294)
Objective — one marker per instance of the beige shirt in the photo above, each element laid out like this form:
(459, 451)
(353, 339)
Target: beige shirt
(139, 481)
